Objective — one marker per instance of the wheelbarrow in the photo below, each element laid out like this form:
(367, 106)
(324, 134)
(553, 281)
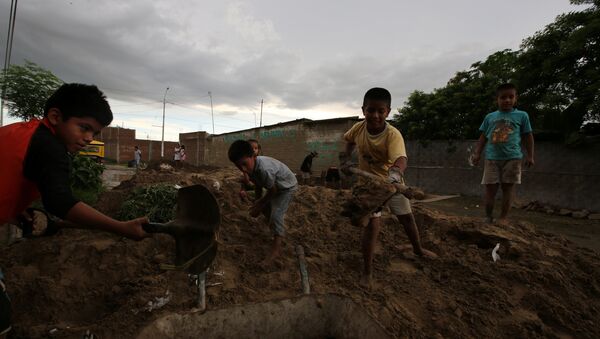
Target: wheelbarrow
(194, 230)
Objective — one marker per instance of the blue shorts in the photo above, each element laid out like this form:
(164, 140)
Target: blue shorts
(279, 205)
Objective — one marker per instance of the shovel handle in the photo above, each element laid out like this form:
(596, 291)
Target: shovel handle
(153, 227)
(410, 192)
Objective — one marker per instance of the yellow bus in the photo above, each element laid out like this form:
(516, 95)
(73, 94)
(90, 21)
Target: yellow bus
(95, 150)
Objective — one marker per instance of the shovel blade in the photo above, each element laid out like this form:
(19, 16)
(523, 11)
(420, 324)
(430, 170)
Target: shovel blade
(197, 213)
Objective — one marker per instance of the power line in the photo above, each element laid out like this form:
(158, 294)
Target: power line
(138, 104)
(8, 52)
(200, 111)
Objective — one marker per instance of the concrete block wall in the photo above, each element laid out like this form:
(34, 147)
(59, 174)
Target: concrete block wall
(119, 145)
(288, 142)
(561, 176)
(195, 144)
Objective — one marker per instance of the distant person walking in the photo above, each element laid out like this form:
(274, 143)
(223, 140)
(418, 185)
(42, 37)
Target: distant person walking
(182, 154)
(137, 156)
(177, 155)
(306, 167)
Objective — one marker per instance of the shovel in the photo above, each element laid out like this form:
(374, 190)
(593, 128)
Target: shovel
(197, 219)
(369, 198)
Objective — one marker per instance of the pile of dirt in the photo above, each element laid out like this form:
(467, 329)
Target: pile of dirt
(77, 280)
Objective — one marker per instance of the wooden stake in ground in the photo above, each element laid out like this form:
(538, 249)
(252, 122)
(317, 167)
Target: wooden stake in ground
(303, 270)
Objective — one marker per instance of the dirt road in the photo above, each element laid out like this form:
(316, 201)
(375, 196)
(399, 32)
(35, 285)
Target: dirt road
(583, 232)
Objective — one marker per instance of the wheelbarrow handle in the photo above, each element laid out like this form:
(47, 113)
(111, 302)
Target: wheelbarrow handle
(153, 227)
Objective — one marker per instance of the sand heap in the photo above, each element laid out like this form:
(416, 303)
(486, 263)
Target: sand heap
(82, 280)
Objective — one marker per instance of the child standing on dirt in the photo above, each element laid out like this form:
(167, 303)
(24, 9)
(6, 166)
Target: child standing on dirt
(35, 162)
(279, 181)
(382, 152)
(501, 134)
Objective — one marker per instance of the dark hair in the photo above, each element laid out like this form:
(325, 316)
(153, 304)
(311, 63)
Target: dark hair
(378, 93)
(240, 149)
(182, 146)
(504, 87)
(79, 100)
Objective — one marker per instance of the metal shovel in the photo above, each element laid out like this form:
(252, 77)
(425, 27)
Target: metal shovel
(194, 228)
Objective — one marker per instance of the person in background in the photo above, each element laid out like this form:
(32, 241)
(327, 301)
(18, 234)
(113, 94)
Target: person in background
(248, 185)
(177, 155)
(182, 154)
(137, 156)
(306, 167)
(256, 147)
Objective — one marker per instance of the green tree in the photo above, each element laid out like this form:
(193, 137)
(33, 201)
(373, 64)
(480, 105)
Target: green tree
(557, 72)
(560, 71)
(456, 110)
(26, 88)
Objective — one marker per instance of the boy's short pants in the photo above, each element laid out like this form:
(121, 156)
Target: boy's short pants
(279, 205)
(501, 172)
(398, 204)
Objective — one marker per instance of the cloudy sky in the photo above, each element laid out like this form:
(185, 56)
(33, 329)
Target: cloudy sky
(305, 59)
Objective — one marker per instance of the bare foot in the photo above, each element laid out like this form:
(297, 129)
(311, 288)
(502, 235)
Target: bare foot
(366, 281)
(427, 254)
(404, 248)
(424, 253)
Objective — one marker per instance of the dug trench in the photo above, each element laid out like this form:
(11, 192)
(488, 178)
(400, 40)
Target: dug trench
(78, 280)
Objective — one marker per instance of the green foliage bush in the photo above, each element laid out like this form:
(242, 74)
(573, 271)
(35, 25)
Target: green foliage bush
(157, 202)
(86, 174)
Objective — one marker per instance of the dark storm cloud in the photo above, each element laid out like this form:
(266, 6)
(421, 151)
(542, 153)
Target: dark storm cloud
(133, 50)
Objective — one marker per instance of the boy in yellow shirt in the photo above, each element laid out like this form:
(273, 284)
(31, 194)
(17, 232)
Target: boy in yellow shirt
(382, 152)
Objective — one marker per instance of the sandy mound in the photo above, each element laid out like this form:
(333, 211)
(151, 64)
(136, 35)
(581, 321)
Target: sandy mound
(542, 286)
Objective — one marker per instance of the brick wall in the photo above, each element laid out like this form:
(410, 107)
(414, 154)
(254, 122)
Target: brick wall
(195, 144)
(288, 142)
(119, 145)
(562, 176)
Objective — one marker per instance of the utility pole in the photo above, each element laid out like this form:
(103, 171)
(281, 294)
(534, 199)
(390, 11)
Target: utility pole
(8, 52)
(261, 105)
(162, 140)
(211, 111)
